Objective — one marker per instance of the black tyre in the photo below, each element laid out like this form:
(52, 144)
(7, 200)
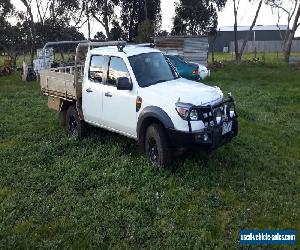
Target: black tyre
(62, 118)
(157, 146)
(74, 126)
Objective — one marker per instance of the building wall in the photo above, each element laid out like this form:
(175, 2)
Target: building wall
(265, 46)
(224, 38)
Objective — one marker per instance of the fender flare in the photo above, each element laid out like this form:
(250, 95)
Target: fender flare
(149, 113)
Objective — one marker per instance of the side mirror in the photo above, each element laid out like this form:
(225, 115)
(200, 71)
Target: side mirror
(123, 83)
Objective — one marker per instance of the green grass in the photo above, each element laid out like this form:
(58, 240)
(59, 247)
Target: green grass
(269, 58)
(100, 192)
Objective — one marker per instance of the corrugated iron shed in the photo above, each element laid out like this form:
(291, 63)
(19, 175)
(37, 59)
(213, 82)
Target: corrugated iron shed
(193, 49)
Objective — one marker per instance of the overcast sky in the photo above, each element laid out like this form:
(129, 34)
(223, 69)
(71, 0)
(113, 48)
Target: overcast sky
(225, 18)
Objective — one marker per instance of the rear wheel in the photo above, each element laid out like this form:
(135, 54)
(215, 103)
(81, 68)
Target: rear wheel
(74, 126)
(157, 146)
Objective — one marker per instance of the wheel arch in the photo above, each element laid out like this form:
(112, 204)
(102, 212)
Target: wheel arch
(148, 116)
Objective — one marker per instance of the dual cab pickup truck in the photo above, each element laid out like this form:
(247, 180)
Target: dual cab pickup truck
(134, 91)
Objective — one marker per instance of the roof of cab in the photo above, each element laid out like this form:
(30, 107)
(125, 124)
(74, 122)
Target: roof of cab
(129, 50)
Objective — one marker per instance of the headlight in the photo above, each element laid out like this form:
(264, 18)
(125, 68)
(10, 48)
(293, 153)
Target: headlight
(183, 112)
(218, 116)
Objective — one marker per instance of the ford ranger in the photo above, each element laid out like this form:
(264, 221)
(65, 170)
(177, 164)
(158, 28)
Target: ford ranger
(134, 91)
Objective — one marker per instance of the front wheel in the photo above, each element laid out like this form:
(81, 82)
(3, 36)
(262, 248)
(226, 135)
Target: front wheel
(74, 126)
(157, 146)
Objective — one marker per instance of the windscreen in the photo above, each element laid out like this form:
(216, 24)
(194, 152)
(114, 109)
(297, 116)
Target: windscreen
(151, 68)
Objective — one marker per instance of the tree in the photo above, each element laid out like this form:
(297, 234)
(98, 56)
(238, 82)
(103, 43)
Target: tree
(13, 39)
(163, 33)
(100, 36)
(116, 31)
(145, 31)
(239, 52)
(6, 7)
(292, 13)
(28, 6)
(213, 33)
(135, 12)
(236, 45)
(60, 32)
(103, 12)
(196, 17)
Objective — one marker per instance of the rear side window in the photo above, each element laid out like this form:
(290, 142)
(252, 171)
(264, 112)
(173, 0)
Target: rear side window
(97, 66)
(117, 68)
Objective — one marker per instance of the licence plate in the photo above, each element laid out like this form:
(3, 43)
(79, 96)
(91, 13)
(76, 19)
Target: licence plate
(227, 127)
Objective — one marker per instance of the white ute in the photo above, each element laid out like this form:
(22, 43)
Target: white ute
(134, 91)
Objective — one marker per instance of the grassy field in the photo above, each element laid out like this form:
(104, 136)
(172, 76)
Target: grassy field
(100, 192)
(270, 58)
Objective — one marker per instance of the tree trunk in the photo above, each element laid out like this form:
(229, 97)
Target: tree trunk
(88, 21)
(287, 51)
(106, 22)
(250, 31)
(131, 22)
(236, 46)
(213, 48)
(14, 61)
(32, 30)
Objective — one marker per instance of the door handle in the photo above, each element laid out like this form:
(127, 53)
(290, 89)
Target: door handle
(89, 90)
(108, 94)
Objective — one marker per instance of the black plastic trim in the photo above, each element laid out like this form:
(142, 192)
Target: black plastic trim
(157, 113)
(191, 139)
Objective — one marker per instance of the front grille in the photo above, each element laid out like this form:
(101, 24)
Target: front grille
(208, 113)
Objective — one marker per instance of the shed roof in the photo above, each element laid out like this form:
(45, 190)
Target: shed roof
(256, 28)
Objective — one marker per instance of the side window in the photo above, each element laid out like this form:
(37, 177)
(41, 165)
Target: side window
(117, 68)
(97, 66)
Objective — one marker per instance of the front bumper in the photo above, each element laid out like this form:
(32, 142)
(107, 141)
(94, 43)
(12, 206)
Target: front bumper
(210, 138)
(212, 135)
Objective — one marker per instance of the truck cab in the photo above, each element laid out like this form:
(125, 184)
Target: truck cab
(134, 91)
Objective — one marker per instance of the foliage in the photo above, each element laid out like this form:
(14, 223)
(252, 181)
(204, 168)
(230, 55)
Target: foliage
(292, 12)
(100, 36)
(16, 40)
(103, 12)
(60, 31)
(145, 31)
(194, 17)
(116, 31)
(163, 33)
(13, 39)
(6, 7)
(134, 12)
(101, 193)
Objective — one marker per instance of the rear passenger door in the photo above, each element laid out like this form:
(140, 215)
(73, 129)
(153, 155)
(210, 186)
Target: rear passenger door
(92, 92)
(119, 106)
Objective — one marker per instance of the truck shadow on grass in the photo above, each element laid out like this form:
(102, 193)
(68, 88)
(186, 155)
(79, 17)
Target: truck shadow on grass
(131, 148)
